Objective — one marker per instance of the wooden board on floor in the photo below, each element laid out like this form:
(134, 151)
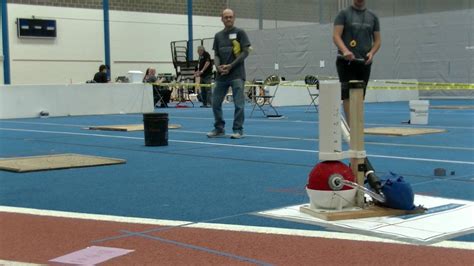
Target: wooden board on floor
(453, 107)
(56, 161)
(356, 213)
(401, 131)
(132, 127)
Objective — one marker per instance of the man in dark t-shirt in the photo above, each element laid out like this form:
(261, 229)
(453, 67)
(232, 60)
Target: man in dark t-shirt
(204, 72)
(101, 76)
(357, 36)
(231, 47)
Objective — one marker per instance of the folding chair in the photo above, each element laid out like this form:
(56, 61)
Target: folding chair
(312, 85)
(157, 97)
(183, 95)
(264, 102)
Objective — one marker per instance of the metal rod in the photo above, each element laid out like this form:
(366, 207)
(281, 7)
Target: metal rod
(5, 43)
(190, 30)
(378, 197)
(105, 6)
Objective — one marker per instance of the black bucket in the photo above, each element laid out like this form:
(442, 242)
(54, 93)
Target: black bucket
(156, 129)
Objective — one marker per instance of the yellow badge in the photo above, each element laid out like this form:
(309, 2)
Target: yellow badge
(353, 43)
(236, 47)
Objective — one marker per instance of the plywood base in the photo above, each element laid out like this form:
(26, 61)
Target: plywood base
(57, 161)
(356, 212)
(401, 131)
(453, 107)
(133, 127)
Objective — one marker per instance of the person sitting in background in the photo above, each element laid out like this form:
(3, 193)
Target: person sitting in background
(101, 76)
(160, 93)
(150, 75)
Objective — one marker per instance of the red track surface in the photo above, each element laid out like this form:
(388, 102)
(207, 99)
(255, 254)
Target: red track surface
(37, 239)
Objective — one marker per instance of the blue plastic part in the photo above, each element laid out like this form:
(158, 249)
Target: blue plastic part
(398, 193)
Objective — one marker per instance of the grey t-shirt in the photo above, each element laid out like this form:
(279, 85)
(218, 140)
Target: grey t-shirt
(359, 25)
(223, 47)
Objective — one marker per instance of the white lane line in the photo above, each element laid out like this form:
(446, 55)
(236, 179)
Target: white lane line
(45, 123)
(287, 138)
(367, 142)
(17, 263)
(224, 227)
(234, 145)
(317, 122)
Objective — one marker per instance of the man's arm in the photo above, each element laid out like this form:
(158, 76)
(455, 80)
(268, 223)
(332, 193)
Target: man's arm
(240, 59)
(206, 65)
(217, 62)
(336, 37)
(375, 47)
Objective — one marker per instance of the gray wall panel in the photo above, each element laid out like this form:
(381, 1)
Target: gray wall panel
(435, 47)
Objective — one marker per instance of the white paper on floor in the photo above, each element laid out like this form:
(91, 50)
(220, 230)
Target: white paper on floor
(91, 256)
(444, 219)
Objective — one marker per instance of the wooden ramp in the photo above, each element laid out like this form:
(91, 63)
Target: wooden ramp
(57, 161)
(132, 127)
(401, 131)
(356, 212)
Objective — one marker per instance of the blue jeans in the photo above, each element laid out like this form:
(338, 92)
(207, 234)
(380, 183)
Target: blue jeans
(218, 95)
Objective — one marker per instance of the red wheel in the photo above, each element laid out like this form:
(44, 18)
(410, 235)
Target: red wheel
(325, 175)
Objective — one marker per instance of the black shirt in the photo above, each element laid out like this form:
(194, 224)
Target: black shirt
(101, 77)
(205, 57)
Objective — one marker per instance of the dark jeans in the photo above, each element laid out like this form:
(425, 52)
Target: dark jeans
(206, 92)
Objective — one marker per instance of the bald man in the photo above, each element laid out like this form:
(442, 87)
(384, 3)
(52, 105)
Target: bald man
(231, 47)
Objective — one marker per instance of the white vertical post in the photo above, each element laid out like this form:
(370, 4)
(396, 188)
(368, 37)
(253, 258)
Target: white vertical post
(330, 144)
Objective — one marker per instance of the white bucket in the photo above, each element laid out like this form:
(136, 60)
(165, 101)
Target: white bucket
(135, 76)
(419, 112)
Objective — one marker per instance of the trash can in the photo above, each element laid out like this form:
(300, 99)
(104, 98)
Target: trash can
(156, 129)
(419, 112)
(135, 76)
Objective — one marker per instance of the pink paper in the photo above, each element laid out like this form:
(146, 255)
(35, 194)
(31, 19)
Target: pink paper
(91, 255)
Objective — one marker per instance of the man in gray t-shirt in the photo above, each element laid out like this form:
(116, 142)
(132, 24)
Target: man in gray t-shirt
(231, 47)
(357, 36)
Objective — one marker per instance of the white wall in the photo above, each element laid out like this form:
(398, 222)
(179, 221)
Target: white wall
(140, 40)
(74, 55)
(137, 41)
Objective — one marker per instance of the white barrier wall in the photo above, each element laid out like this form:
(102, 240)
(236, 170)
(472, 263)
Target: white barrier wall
(23, 101)
(1, 70)
(288, 95)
